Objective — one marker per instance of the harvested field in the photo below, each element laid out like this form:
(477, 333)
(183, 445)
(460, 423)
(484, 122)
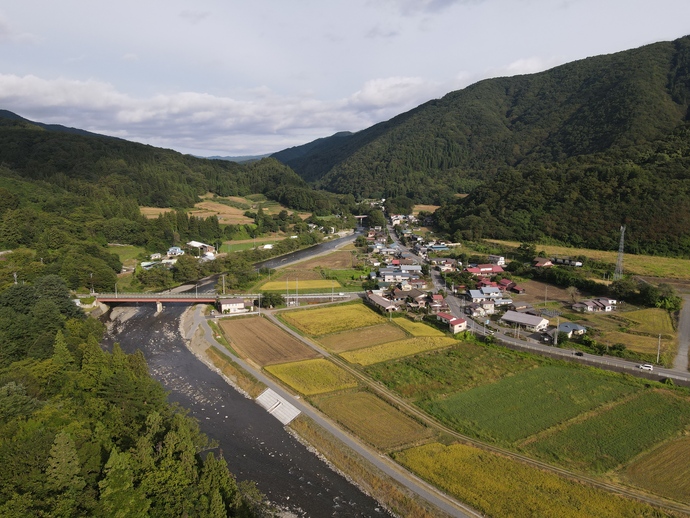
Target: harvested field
(296, 275)
(395, 350)
(427, 208)
(418, 328)
(225, 213)
(638, 343)
(364, 337)
(332, 319)
(311, 377)
(264, 343)
(373, 419)
(340, 260)
(302, 285)
(521, 491)
(664, 471)
(153, 212)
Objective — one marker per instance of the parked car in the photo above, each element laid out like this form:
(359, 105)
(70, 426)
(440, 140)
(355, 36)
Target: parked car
(579, 353)
(646, 367)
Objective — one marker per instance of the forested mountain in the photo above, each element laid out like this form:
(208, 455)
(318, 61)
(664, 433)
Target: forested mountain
(568, 154)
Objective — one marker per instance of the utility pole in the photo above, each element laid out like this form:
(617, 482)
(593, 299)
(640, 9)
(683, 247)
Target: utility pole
(555, 336)
(658, 349)
(223, 284)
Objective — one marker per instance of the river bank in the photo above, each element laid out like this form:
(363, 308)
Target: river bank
(255, 445)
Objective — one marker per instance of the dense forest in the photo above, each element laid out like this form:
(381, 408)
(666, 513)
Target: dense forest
(566, 155)
(84, 432)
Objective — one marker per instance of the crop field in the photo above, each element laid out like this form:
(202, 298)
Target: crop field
(462, 367)
(340, 260)
(225, 213)
(653, 266)
(311, 377)
(258, 339)
(295, 276)
(127, 253)
(614, 436)
(373, 419)
(293, 285)
(397, 349)
(498, 486)
(417, 328)
(363, 337)
(664, 471)
(332, 319)
(519, 406)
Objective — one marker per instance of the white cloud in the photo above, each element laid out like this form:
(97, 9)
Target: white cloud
(130, 57)
(411, 7)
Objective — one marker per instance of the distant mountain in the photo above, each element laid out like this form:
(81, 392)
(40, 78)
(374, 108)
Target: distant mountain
(76, 159)
(239, 159)
(451, 144)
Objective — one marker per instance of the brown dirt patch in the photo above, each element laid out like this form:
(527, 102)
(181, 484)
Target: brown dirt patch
(340, 260)
(363, 337)
(535, 292)
(264, 343)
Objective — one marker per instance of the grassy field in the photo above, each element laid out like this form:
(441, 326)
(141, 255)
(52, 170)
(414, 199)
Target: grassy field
(128, 254)
(427, 208)
(332, 319)
(652, 320)
(498, 486)
(398, 349)
(372, 419)
(461, 367)
(293, 285)
(653, 266)
(311, 377)
(364, 337)
(615, 436)
(264, 343)
(417, 328)
(234, 373)
(524, 404)
(664, 471)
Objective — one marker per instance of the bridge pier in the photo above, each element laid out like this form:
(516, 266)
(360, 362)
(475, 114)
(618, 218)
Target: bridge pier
(159, 306)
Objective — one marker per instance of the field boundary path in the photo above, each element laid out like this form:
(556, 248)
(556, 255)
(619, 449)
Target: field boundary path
(395, 471)
(680, 362)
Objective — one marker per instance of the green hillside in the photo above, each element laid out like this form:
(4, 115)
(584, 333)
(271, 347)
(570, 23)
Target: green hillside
(567, 154)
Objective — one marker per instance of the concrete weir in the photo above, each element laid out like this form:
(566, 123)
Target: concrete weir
(277, 406)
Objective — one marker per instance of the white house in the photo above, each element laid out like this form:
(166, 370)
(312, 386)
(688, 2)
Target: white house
(175, 251)
(529, 322)
(455, 324)
(233, 305)
(497, 259)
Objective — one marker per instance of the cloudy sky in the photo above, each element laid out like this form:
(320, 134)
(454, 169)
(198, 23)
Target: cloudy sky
(243, 77)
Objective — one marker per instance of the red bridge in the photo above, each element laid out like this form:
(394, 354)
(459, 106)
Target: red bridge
(190, 298)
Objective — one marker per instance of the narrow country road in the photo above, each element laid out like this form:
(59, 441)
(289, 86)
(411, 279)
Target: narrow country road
(680, 363)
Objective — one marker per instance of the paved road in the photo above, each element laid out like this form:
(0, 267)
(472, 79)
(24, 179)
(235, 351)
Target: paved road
(680, 363)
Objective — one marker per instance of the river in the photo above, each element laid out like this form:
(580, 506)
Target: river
(255, 445)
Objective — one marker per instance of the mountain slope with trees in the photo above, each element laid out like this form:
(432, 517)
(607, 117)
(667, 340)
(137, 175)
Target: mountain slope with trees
(612, 125)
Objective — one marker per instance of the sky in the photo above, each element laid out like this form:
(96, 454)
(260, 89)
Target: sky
(251, 77)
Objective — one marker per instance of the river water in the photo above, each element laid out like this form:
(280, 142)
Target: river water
(306, 253)
(255, 444)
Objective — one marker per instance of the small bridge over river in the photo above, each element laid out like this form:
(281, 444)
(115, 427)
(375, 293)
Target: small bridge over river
(209, 298)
